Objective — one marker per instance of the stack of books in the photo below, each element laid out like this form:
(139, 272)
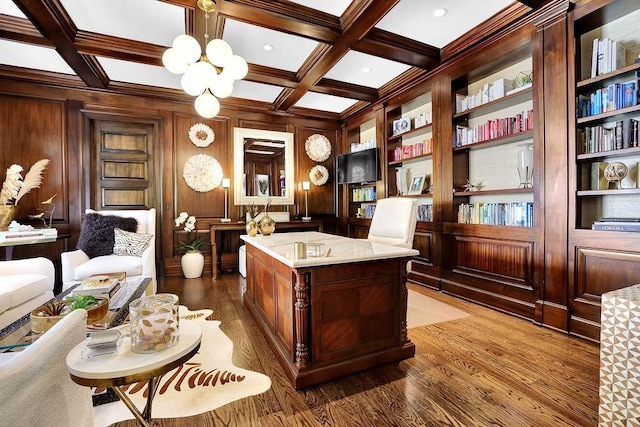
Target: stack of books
(617, 224)
(104, 285)
(102, 343)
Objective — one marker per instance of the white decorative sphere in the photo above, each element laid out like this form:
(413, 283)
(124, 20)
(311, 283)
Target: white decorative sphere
(174, 61)
(236, 68)
(219, 52)
(207, 105)
(188, 47)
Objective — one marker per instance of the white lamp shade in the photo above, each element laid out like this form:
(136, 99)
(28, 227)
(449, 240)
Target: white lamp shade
(218, 52)
(222, 87)
(174, 61)
(306, 185)
(191, 84)
(188, 47)
(236, 68)
(207, 105)
(226, 182)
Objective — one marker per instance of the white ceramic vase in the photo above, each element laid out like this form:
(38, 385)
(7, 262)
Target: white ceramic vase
(192, 264)
(402, 180)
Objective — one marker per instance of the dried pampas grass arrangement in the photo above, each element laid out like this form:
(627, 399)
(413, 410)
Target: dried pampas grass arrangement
(15, 187)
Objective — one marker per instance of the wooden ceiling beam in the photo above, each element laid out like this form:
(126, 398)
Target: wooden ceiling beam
(21, 30)
(275, 15)
(534, 4)
(372, 11)
(52, 21)
(347, 90)
(398, 48)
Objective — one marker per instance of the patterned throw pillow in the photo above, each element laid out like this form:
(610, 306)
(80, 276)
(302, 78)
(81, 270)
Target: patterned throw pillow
(127, 243)
(96, 234)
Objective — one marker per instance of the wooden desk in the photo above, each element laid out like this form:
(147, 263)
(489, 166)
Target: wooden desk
(221, 229)
(329, 316)
(127, 367)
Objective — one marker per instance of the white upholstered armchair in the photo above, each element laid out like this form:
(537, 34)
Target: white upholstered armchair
(35, 386)
(78, 265)
(394, 221)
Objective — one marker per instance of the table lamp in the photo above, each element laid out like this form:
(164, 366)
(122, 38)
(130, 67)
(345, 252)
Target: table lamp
(306, 185)
(226, 183)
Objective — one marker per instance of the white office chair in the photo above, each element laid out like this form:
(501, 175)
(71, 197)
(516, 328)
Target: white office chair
(394, 221)
(77, 265)
(35, 386)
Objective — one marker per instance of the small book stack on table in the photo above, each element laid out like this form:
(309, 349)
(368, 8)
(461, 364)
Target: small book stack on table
(617, 224)
(104, 285)
(102, 343)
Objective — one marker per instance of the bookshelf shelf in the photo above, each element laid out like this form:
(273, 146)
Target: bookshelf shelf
(398, 137)
(611, 153)
(494, 192)
(518, 136)
(598, 81)
(496, 105)
(608, 116)
(411, 159)
(612, 192)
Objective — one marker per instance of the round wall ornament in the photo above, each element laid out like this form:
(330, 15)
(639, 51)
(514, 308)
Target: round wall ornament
(201, 135)
(318, 175)
(202, 173)
(318, 147)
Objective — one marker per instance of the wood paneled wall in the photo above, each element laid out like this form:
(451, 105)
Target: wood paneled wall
(40, 121)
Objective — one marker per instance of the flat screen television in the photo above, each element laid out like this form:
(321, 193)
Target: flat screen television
(358, 167)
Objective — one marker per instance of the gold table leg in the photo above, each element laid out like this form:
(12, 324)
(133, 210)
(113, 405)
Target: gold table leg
(143, 417)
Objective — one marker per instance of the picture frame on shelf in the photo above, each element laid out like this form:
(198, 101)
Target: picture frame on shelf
(417, 184)
(401, 126)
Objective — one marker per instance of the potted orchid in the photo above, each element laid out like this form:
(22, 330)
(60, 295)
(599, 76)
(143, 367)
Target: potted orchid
(192, 261)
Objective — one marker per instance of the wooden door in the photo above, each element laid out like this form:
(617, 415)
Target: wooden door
(122, 165)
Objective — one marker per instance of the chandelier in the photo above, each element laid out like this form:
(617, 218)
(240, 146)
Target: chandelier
(207, 76)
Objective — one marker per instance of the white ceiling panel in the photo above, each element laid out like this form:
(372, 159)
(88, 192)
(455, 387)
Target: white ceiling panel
(248, 41)
(323, 102)
(333, 7)
(414, 19)
(122, 18)
(255, 91)
(351, 67)
(30, 56)
(7, 7)
(133, 72)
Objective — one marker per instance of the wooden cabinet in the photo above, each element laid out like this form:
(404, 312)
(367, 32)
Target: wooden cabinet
(601, 133)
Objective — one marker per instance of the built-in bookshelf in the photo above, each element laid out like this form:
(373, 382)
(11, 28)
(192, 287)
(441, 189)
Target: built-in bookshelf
(493, 128)
(410, 152)
(361, 197)
(607, 115)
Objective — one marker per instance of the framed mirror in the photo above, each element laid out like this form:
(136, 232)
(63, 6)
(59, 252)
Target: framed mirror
(263, 167)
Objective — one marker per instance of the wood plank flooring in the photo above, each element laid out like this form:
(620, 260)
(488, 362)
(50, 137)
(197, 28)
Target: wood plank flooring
(488, 369)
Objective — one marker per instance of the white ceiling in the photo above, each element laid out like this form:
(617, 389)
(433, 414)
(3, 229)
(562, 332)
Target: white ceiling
(163, 21)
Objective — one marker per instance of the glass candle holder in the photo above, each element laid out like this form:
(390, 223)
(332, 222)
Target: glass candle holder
(154, 323)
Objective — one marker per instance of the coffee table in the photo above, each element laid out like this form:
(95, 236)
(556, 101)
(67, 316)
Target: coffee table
(127, 367)
(18, 334)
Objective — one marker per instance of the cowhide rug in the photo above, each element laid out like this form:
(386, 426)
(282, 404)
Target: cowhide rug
(206, 382)
(422, 310)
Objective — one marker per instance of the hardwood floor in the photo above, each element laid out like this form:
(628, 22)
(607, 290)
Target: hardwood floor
(488, 369)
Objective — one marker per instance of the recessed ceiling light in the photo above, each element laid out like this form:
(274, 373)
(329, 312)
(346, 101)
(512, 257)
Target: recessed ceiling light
(268, 47)
(367, 69)
(439, 13)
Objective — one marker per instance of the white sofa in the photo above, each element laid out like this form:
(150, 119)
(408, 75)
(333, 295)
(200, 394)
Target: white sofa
(76, 265)
(35, 386)
(25, 284)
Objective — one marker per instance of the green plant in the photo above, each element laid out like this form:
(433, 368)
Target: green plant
(82, 301)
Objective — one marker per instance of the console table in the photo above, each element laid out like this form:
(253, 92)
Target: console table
(331, 315)
(220, 230)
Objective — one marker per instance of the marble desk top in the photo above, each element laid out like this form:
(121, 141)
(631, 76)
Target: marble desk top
(343, 249)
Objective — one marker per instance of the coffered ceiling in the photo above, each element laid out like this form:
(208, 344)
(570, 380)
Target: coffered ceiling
(328, 58)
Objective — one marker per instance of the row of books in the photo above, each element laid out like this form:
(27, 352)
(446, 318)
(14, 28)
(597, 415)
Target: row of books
(488, 93)
(607, 55)
(492, 129)
(595, 139)
(617, 224)
(369, 210)
(513, 214)
(613, 97)
(365, 194)
(405, 152)
(425, 213)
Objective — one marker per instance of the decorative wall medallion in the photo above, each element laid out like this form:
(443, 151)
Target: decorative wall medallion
(318, 147)
(201, 135)
(202, 173)
(318, 175)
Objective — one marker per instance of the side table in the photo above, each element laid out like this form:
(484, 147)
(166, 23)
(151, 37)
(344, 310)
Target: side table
(128, 367)
(620, 357)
